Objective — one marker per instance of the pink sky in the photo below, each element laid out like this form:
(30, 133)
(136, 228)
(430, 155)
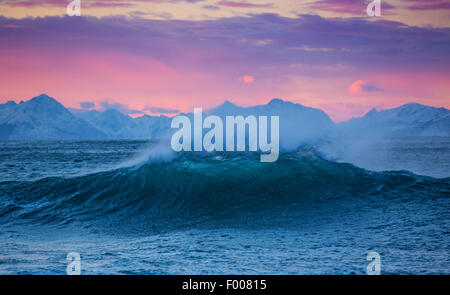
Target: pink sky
(345, 66)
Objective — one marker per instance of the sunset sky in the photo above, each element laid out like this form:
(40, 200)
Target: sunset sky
(166, 56)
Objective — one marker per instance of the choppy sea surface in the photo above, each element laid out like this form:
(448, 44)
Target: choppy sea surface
(317, 210)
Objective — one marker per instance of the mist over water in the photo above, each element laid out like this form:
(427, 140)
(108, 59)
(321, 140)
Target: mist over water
(421, 155)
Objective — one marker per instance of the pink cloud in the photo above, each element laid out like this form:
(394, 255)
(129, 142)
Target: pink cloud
(247, 79)
(244, 4)
(123, 61)
(359, 87)
(356, 88)
(92, 3)
(428, 5)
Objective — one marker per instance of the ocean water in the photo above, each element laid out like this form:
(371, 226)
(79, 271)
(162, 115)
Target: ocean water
(129, 209)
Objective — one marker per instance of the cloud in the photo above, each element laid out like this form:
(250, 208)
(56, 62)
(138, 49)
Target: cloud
(187, 63)
(353, 7)
(307, 48)
(140, 14)
(247, 79)
(86, 105)
(360, 87)
(243, 4)
(55, 3)
(428, 5)
(215, 43)
(211, 7)
(105, 105)
(263, 42)
(91, 3)
(106, 4)
(33, 3)
(159, 110)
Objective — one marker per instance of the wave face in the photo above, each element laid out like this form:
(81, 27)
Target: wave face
(205, 191)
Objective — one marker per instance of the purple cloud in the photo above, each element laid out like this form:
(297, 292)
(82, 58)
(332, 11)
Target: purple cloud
(428, 5)
(360, 86)
(93, 3)
(232, 45)
(211, 7)
(241, 4)
(86, 105)
(354, 7)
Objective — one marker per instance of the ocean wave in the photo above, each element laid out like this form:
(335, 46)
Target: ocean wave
(204, 189)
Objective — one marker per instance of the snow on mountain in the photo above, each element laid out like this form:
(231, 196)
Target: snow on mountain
(42, 117)
(117, 125)
(113, 123)
(411, 119)
(298, 124)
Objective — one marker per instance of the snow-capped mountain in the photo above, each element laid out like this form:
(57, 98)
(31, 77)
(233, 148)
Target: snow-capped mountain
(111, 122)
(42, 117)
(117, 125)
(298, 124)
(411, 119)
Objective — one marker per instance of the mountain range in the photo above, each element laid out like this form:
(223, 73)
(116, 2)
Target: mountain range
(411, 119)
(44, 118)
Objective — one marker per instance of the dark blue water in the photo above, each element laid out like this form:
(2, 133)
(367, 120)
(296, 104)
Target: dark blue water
(214, 214)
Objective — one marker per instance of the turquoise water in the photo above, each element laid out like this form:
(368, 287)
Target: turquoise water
(214, 214)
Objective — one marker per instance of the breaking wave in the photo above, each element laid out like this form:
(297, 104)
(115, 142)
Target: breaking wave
(203, 191)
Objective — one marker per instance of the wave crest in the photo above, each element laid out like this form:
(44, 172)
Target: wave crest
(200, 190)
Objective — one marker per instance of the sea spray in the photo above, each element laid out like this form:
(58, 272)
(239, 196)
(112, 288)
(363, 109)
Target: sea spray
(155, 152)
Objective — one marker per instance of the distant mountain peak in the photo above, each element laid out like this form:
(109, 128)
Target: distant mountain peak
(280, 103)
(276, 101)
(413, 105)
(43, 117)
(227, 103)
(226, 106)
(411, 119)
(10, 103)
(372, 112)
(45, 102)
(42, 97)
